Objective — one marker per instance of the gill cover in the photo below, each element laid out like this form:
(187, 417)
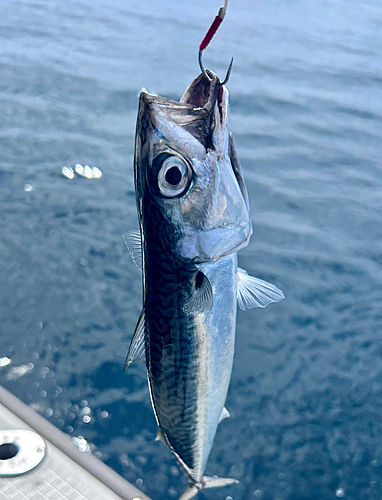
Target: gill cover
(189, 182)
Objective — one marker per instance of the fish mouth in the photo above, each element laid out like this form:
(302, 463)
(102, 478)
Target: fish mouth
(202, 93)
(206, 96)
(194, 113)
(212, 217)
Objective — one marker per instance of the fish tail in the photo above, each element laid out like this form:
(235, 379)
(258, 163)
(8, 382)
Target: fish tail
(207, 482)
(189, 492)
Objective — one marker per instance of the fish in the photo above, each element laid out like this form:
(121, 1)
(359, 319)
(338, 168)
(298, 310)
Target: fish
(194, 217)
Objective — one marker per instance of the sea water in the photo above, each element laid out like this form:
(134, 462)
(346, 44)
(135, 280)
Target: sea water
(306, 115)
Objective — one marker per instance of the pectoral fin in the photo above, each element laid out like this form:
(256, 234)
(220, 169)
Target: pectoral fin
(202, 298)
(137, 346)
(253, 292)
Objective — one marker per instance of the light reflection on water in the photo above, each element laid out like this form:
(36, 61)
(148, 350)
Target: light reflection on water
(306, 111)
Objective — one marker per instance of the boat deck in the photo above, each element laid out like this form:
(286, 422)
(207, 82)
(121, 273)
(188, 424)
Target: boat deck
(64, 473)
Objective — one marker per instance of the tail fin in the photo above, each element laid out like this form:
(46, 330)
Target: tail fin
(189, 492)
(207, 482)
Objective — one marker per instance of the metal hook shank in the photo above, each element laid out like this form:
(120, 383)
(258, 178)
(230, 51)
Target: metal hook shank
(203, 70)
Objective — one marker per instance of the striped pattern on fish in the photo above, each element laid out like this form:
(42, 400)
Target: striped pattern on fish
(193, 212)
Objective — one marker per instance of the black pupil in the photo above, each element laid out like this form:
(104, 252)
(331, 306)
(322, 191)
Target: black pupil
(173, 176)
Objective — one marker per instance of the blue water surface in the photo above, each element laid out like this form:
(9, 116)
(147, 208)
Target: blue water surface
(306, 114)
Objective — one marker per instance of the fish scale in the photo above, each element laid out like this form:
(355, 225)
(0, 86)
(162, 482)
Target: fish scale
(168, 378)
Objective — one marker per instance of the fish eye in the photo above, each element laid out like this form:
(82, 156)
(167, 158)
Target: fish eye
(173, 177)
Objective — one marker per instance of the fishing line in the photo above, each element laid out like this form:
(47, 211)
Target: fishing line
(214, 26)
(207, 39)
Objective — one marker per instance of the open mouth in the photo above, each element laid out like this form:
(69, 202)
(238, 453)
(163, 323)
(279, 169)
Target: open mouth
(203, 93)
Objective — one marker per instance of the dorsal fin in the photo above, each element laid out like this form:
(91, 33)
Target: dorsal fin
(133, 242)
(137, 345)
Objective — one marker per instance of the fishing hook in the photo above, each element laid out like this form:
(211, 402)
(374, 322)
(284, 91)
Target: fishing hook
(228, 74)
(206, 40)
(205, 72)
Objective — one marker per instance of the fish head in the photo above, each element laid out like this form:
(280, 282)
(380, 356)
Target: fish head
(190, 189)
